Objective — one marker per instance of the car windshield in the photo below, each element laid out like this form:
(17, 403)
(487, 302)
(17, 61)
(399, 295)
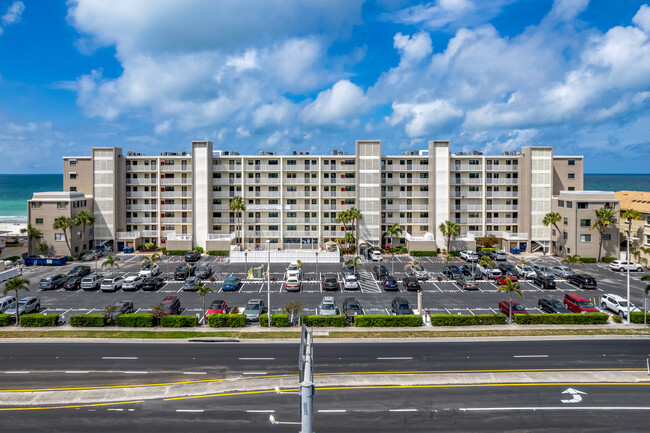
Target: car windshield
(168, 306)
(146, 267)
(585, 304)
(390, 280)
(253, 307)
(292, 268)
(403, 306)
(328, 306)
(229, 280)
(350, 279)
(622, 303)
(353, 307)
(517, 308)
(527, 268)
(182, 268)
(330, 280)
(557, 304)
(217, 305)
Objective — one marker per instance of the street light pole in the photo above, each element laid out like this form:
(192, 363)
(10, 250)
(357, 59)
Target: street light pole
(268, 284)
(628, 277)
(317, 275)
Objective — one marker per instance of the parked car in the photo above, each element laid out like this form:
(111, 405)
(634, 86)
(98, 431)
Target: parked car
(149, 270)
(562, 271)
(132, 283)
(330, 282)
(218, 306)
(411, 283)
(192, 256)
(380, 272)
(526, 272)
(27, 305)
(152, 283)
(583, 281)
(91, 256)
(400, 306)
(351, 308)
(469, 256)
(472, 271)
(293, 270)
(6, 302)
(544, 282)
(254, 309)
(578, 303)
(452, 272)
(51, 282)
(112, 284)
(183, 271)
(498, 256)
(416, 271)
(617, 304)
(231, 284)
(542, 270)
(552, 306)
(92, 281)
(72, 283)
(349, 270)
(292, 284)
(517, 308)
(624, 265)
(376, 256)
(467, 283)
(172, 305)
(501, 279)
(350, 282)
(123, 307)
(203, 272)
(489, 272)
(189, 285)
(508, 269)
(328, 307)
(79, 271)
(390, 283)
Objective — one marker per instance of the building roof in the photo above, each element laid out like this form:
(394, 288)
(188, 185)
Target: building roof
(637, 200)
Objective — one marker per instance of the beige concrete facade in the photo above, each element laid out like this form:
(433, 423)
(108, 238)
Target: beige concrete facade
(78, 174)
(568, 173)
(640, 202)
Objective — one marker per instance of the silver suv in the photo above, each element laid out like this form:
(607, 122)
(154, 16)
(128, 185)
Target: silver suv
(617, 304)
(92, 282)
(328, 307)
(253, 309)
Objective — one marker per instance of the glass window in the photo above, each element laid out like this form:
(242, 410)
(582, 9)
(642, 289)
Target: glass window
(585, 238)
(59, 237)
(572, 162)
(39, 221)
(585, 223)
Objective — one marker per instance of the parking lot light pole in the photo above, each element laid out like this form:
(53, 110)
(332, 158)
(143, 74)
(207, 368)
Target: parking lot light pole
(268, 283)
(317, 276)
(628, 276)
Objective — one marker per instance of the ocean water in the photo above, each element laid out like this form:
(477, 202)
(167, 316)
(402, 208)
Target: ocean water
(16, 189)
(617, 182)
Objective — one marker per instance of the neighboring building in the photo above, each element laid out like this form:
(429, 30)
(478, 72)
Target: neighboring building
(45, 207)
(180, 200)
(578, 216)
(640, 202)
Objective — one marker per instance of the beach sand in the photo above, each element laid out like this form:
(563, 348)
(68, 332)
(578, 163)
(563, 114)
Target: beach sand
(12, 228)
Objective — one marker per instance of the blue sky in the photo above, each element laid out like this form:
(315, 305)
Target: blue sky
(283, 75)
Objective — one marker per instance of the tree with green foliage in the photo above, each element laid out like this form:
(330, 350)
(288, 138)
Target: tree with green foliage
(202, 291)
(238, 206)
(84, 218)
(631, 215)
(605, 216)
(487, 241)
(42, 248)
(552, 219)
(355, 262)
(449, 229)
(293, 308)
(393, 231)
(511, 287)
(111, 261)
(14, 285)
(64, 223)
(355, 217)
(646, 291)
(572, 260)
(32, 234)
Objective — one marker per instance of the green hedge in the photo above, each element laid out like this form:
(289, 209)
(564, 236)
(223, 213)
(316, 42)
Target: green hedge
(423, 253)
(227, 320)
(454, 253)
(386, 320)
(178, 321)
(87, 320)
(38, 319)
(588, 259)
(223, 253)
(458, 320)
(562, 319)
(489, 249)
(277, 320)
(637, 317)
(176, 252)
(318, 321)
(608, 259)
(135, 320)
(5, 320)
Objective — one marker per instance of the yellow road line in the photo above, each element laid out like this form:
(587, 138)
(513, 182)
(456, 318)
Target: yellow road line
(112, 386)
(72, 406)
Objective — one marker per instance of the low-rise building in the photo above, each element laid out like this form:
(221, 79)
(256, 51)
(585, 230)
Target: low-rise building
(640, 202)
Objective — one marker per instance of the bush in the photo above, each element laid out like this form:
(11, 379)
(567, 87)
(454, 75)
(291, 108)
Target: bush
(5, 320)
(637, 317)
(386, 320)
(588, 259)
(38, 319)
(457, 320)
(88, 320)
(318, 321)
(277, 320)
(562, 319)
(454, 253)
(227, 320)
(199, 249)
(223, 253)
(423, 253)
(176, 252)
(617, 319)
(135, 320)
(177, 321)
(608, 259)
(489, 249)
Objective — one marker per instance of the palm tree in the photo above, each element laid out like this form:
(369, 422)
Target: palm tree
(511, 287)
(238, 206)
(343, 218)
(646, 290)
(112, 262)
(202, 291)
(645, 251)
(551, 219)
(64, 223)
(629, 215)
(149, 260)
(16, 284)
(42, 247)
(84, 218)
(573, 260)
(32, 233)
(486, 262)
(605, 216)
(355, 216)
(449, 229)
(412, 264)
(349, 238)
(356, 261)
(393, 231)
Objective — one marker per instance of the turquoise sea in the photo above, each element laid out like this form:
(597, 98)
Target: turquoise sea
(16, 189)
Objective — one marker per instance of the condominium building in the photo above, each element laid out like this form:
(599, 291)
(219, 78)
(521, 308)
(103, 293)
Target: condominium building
(640, 242)
(182, 199)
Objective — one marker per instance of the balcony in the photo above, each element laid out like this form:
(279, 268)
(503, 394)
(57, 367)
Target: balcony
(261, 167)
(222, 194)
(141, 168)
(292, 194)
(501, 181)
(405, 181)
(466, 167)
(511, 236)
(339, 194)
(268, 194)
(142, 181)
(300, 180)
(149, 233)
(138, 220)
(339, 167)
(225, 220)
(127, 235)
(339, 181)
(167, 168)
(406, 194)
(186, 207)
(466, 181)
(172, 220)
(227, 181)
(501, 220)
(497, 194)
(505, 207)
(500, 167)
(173, 236)
(301, 220)
(300, 167)
(175, 181)
(472, 221)
(406, 207)
(466, 207)
(333, 234)
(405, 220)
(141, 207)
(225, 167)
(264, 180)
(466, 194)
(173, 194)
(141, 194)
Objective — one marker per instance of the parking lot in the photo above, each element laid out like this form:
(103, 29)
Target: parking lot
(439, 295)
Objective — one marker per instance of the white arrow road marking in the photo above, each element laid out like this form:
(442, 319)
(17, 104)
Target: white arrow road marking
(577, 398)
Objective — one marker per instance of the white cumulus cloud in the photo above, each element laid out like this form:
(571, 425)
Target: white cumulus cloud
(343, 101)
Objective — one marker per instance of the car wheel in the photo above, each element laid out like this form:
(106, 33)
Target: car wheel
(639, 269)
(603, 306)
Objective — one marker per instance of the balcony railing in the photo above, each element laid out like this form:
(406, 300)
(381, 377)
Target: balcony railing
(406, 207)
(466, 181)
(501, 220)
(406, 194)
(172, 220)
(501, 194)
(127, 235)
(175, 181)
(142, 181)
(501, 167)
(186, 207)
(172, 194)
(141, 168)
(141, 194)
(300, 180)
(173, 236)
(466, 207)
(466, 194)
(501, 207)
(501, 181)
(405, 181)
(138, 220)
(141, 206)
(466, 167)
(164, 168)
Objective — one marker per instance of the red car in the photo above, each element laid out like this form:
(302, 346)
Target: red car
(516, 308)
(217, 307)
(579, 304)
(501, 279)
(172, 305)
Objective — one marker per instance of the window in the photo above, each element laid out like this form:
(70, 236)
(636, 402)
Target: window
(565, 236)
(291, 228)
(572, 162)
(554, 232)
(572, 188)
(585, 223)
(39, 221)
(58, 237)
(583, 205)
(73, 175)
(585, 238)
(569, 204)
(572, 175)
(424, 228)
(607, 237)
(560, 203)
(73, 188)
(61, 205)
(566, 220)
(73, 162)
(37, 205)
(216, 228)
(647, 239)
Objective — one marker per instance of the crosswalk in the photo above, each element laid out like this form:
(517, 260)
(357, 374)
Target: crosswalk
(368, 283)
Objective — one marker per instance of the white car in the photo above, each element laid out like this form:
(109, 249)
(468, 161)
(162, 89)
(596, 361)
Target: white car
(376, 256)
(489, 272)
(617, 304)
(526, 272)
(624, 265)
(149, 271)
(292, 284)
(350, 283)
(328, 307)
(293, 270)
(133, 282)
(469, 256)
(112, 284)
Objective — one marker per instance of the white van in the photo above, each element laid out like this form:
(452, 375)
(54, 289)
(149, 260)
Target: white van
(6, 302)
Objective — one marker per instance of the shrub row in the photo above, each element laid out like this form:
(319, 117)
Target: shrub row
(637, 317)
(37, 319)
(456, 320)
(135, 320)
(454, 253)
(319, 321)
(608, 259)
(227, 320)
(177, 321)
(5, 320)
(423, 253)
(385, 320)
(176, 252)
(224, 253)
(277, 320)
(562, 319)
(588, 259)
(489, 249)
(86, 320)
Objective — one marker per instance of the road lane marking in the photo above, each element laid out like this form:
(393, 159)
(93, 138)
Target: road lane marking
(394, 357)
(402, 410)
(256, 359)
(119, 357)
(136, 372)
(194, 372)
(490, 409)
(332, 410)
(189, 410)
(260, 373)
(77, 372)
(261, 411)
(17, 372)
(530, 356)
(116, 410)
